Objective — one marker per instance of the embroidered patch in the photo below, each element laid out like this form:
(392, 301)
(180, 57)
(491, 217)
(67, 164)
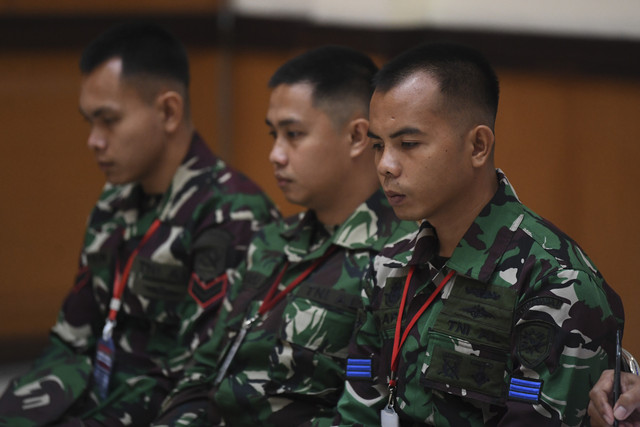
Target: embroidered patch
(158, 281)
(392, 292)
(533, 343)
(525, 390)
(478, 312)
(450, 369)
(331, 297)
(210, 252)
(206, 293)
(553, 302)
(359, 368)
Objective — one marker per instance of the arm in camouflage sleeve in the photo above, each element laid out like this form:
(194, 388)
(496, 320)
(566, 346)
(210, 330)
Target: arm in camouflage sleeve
(60, 376)
(564, 336)
(362, 400)
(188, 401)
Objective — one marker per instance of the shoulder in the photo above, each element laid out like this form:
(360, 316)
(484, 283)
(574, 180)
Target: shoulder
(551, 245)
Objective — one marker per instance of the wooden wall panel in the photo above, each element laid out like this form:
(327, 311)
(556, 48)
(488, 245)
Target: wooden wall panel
(567, 142)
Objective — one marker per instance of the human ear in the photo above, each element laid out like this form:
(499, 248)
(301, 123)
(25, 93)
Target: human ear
(358, 129)
(171, 106)
(483, 140)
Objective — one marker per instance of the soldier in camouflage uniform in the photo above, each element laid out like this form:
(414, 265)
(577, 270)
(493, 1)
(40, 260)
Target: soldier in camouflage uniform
(496, 317)
(171, 219)
(289, 367)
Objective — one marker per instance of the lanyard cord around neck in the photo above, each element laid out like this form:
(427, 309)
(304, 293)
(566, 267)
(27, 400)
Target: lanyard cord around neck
(271, 299)
(397, 341)
(121, 278)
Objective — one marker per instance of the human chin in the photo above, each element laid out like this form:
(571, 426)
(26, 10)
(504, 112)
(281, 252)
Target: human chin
(406, 213)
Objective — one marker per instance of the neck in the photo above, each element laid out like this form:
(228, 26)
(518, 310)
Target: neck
(357, 188)
(176, 150)
(452, 225)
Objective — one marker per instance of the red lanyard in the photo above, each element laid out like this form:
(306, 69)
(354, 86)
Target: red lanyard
(120, 280)
(397, 342)
(271, 300)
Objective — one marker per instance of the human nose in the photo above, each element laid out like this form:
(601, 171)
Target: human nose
(96, 140)
(278, 154)
(387, 164)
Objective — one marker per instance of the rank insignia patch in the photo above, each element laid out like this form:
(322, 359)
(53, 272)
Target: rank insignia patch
(359, 368)
(525, 390)
(206, 294)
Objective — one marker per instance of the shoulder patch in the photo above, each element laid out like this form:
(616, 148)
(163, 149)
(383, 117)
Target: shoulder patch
(533, 342)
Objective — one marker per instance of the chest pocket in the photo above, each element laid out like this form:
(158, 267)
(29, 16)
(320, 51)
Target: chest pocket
(320, 318)
(156, 290)
(470, 341)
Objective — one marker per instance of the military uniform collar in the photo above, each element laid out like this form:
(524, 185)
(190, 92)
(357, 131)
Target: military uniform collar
(368, 227)
(189, 176)
(484, 243)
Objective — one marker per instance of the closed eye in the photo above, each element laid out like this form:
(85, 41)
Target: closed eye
(409, 144)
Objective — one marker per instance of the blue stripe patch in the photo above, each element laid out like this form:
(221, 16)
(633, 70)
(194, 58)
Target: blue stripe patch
(358, 368)
(525, 390)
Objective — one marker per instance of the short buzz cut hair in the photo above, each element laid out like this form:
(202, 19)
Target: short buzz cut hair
(146, 49)
(467, 80)
(341, 77)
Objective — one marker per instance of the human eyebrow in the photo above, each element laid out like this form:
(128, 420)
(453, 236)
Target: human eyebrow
(406, 131)
(282, 123)
(90, 115)
(372, 135)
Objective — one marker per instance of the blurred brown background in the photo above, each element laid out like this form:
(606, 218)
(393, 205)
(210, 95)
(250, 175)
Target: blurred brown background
(566, 133)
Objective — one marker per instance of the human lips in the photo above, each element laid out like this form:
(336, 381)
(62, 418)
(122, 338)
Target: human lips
(105, 165)
(282, 180)
(394, 197)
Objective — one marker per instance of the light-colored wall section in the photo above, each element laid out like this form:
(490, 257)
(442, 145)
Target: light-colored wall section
(615, 18)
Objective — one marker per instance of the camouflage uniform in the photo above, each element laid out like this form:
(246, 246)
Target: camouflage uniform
(290, 367)
(525, 304)
(207, 219)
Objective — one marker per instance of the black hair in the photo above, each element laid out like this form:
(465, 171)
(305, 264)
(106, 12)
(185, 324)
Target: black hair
(336, 73)
(145, 48)
(464, 75)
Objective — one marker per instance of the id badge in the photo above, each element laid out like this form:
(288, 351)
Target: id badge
(105, 356)
(389, 417)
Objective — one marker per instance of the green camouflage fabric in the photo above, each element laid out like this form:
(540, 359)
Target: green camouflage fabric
(525, 304)
(177, 282)
(289, 370)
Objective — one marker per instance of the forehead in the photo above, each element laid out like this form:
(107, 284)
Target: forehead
(291, 99)
(104, 88)
(415, 98)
